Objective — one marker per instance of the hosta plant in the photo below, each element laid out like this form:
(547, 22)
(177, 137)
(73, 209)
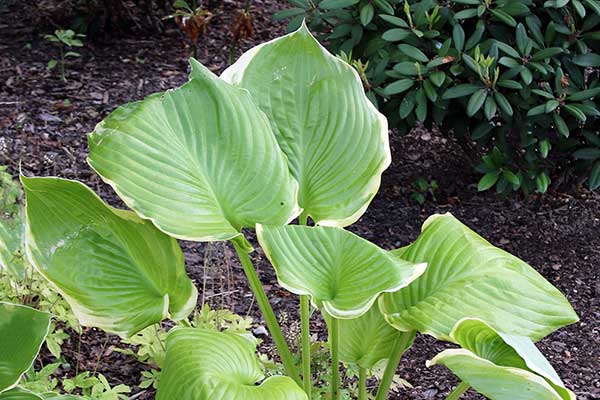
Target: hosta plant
(525, 73)
(286, 132)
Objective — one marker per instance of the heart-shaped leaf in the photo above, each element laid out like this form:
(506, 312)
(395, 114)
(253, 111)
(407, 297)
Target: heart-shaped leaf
(200, 161)
(117, 271)
(501, 366)
(209, 365)
(22, 332)
(342, 272)
(468, 277)
(365, 340)
(335, 139)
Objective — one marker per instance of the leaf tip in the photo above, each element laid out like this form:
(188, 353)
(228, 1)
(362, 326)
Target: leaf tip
(432, 218)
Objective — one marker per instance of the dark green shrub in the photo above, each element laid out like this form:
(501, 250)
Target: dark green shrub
(515, 81)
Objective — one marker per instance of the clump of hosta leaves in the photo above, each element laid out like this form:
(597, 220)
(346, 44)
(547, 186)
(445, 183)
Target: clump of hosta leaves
(285, 132)
(518, 78)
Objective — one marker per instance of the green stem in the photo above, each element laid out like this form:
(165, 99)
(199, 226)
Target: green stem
(303, 219)
(184, 323)
(305, 318)
(334, 333)
(241, 248)
(362, 384)
(400, 347)
(458, 391)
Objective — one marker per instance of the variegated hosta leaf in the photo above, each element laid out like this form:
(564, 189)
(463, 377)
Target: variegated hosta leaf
(342, 272)
(117, 271)
(209, 365)
(11, 244)
(365, 340)
(335, 139)
(22, 332)
(468, 277)
(501, 366)
(200, 161)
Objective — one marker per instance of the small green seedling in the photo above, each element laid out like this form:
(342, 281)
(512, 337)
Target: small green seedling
(423, 188)
(65, 40)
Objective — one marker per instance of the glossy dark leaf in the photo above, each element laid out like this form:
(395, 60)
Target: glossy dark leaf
(504, 17)
(458, 36)
(334, 4)
(561, 125)
(587, 60)
(546, 53)
(584, 94)
(413, 52)
(465, 89)
(503, 103)
(395, 35)
(587, 153)
(465, 14)
(367, 12)
(487, 181)
(398, 87)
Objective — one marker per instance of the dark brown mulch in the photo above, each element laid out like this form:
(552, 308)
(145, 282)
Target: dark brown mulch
(558, 234)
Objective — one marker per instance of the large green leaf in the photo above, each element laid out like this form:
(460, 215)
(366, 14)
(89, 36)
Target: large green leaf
(19, 394)
(22, 332)
(342, 272)
(468, 277)
(335, 139)
(117, 271)
(209, 365)
(12, 231)
(501, 366)
(200, 161)
(365, 340)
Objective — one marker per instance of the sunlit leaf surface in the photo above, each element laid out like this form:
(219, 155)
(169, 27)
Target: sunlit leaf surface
(469, 277)
(342, 272)
(209, 365)
(335, 139)
(117, 271)
(501, 366)
(200, 161)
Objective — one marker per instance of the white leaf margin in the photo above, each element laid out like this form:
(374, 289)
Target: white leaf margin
(234, 75)
(419, 269)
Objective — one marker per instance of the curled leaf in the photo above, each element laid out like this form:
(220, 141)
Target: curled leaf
(342, 272)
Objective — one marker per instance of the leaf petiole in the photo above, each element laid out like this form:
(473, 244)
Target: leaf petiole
(241, 248)
(362, 383)
(334, 342)
(401, 345)
(305, 323)
(458, 391)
